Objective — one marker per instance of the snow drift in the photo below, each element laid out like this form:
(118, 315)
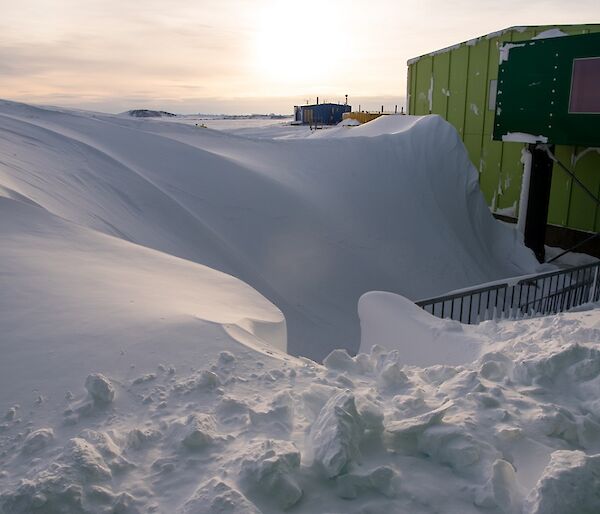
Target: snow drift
(312, 224)
(515, 431)
(395, 323)
(72, 296)
(135, 379)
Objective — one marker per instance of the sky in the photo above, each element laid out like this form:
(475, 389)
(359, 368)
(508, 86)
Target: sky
(239, 56)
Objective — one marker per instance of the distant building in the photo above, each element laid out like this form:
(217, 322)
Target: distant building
(320, 114)
(363, 117)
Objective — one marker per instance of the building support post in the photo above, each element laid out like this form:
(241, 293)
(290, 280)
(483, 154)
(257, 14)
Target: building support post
(538, 200)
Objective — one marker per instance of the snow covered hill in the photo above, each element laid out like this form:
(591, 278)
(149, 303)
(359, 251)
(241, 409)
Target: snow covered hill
(312, 223)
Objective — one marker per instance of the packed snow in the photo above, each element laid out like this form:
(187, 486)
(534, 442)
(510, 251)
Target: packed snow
(514, 430)
(153, 275)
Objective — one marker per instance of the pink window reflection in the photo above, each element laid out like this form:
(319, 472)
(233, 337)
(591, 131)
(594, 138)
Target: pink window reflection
(585, 86)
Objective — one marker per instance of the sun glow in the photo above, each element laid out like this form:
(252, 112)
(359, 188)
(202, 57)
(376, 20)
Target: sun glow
(300, 42)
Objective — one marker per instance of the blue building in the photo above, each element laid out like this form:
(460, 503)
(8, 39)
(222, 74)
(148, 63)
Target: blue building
(320, 114)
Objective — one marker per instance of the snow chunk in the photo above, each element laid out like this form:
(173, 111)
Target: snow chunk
(315, 397)
(88, 460)
(138, 438)
(495, 366)
(550, 33)
(501, 490)
(506, 48)
(383, 479)
(100, 388)
(573, 361)
(336, 434)
(450, 445)
(201, 432)
(340, 360)
(522, 137)
(280, 412)
(205, 381)
(49, 493)
(555, 421)
(231, 409)
(571, 480)
(11, 413)
(215, 496)
(392, 378)
(370, 413)
(148, 377)
(110, 452)
(38, 440)
(403, 435)
(226, 358)
(268, 469)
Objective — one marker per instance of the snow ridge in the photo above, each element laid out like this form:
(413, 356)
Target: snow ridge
(312, 223)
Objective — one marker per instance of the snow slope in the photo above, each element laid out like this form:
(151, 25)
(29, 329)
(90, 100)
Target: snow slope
(516, 430)
(312, 223)
(135, 379)
(71, 296)
(395, 323)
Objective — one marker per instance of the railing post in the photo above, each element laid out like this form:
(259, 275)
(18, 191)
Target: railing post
(592, 294)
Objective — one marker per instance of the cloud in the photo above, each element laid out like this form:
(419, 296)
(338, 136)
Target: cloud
(185, 54)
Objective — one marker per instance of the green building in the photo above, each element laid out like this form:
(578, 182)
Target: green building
(459, 83)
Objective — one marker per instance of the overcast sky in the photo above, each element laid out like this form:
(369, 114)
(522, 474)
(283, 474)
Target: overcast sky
(239, 56)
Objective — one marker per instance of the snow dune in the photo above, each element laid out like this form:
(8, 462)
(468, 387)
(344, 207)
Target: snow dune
(73, 296)
(311, 223)
(395, 323)
(136, 379)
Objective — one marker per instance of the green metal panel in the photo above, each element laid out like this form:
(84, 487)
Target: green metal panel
(455, 70)
(473, 145)
(423, 86)
(459, 68)
(492, 74)
(441, 74)
(582, 212)
(491, 158)
(476, 88)
(510, 176)
(525, 35)
(534, 91)
(414, 89)
(411, 81)
(509, 163)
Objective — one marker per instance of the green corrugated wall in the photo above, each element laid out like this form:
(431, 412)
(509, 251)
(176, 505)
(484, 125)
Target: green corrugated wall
(460, 93)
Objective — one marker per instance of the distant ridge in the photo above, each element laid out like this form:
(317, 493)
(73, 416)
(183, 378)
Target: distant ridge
(147, 113)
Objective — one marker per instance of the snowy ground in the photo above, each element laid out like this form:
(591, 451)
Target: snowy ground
(259, 128)
(136, 376)
(515, 430)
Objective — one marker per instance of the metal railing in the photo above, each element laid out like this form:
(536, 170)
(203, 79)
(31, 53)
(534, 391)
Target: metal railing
(546, 293)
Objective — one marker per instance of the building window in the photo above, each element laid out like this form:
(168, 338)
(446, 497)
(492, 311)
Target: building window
(585, 86)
